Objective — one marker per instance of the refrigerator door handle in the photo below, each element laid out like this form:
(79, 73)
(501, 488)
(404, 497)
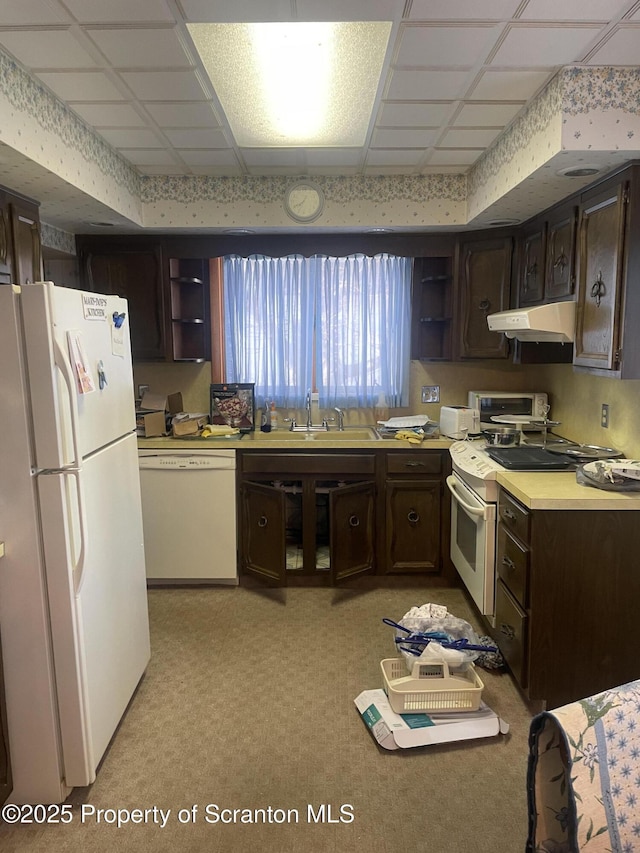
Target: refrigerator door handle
(63, 364)
(75, 469)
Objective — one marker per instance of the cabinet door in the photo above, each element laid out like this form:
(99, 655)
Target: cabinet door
(352, 531)
(6, 242)
(602, 222)
(484, 271)
(137, 276)
(413, 526)
(27, 254)
(6, 785)
(532, 265)
(561, 248)
(263, 543)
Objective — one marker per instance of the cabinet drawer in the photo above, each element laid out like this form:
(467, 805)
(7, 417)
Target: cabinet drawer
(514, 516)
(307, 463)
(513, 565)
(414, 463)
(511, 633)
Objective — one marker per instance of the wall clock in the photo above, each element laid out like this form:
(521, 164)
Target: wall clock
(304, 201)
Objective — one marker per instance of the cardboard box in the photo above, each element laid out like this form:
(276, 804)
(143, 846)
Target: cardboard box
(151, 416)
(395, 731)
(190, 426)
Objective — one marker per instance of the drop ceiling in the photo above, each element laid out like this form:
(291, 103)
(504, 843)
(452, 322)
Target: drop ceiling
(457, 73)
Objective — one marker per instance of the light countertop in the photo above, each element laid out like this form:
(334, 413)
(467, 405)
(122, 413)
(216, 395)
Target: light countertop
(559, 490)
(333, 440)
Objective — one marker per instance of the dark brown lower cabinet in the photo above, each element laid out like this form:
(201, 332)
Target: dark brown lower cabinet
(307, 516)
(567, 599)
(413, 509)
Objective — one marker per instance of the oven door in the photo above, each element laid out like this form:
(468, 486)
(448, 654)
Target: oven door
(473, 543)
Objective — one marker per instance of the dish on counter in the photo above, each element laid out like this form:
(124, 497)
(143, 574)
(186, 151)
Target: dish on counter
(584, 451)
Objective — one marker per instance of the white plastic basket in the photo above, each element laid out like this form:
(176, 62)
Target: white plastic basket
(433, 687)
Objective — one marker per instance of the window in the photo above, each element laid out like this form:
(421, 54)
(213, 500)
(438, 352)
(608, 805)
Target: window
(339, 324)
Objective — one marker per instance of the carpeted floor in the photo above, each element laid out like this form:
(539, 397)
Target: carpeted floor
(248, 704)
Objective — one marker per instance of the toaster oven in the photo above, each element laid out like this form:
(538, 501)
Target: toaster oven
(492, 404)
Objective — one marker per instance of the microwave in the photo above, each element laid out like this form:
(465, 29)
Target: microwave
(500, 403)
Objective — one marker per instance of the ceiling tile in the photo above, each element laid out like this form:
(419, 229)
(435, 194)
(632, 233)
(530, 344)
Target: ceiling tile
(125, 138)
(197, 138)
(468, 138)
(391, 138)
(486, 115)
(333, 156)
(119, 11)
(109, 115)
(426, 85)
(623, 48)
(141, 48)
(539, 47)
(453, 156)
(81, 86)
(199, 114)
(271, 156)
(509, 85)
(226, 170)
(402, 157)
(164, 85)
(573, 10)
(452, 10)
(413, 115)
(238, 12)
(444, 46)
(31, 12)
(213, 157)
(354, 10)
(46, 49)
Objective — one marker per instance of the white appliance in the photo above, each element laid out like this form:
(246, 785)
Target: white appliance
(459, 421)
(474, 495)
(555, 322)
(73, 603)
(189, 516)
(492, 404)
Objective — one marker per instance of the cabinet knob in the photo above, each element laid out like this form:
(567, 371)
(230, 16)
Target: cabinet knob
(507, 513)
(484, 304)
(413, 517)
(508, 563)
(354, 521)
(598, 289)
(508, 631)
(262, 521)
(414, 464)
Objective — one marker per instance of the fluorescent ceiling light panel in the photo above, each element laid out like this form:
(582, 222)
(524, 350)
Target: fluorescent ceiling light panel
(295, 84)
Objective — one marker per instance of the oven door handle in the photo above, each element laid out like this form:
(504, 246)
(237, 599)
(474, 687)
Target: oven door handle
(472, 510)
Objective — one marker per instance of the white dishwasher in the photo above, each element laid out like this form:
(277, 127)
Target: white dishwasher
(189, 516)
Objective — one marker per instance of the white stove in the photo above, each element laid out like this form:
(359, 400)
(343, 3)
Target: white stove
(478, 470)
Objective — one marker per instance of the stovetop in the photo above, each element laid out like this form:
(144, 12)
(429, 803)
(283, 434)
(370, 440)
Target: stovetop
(525, 458)
(478, 464)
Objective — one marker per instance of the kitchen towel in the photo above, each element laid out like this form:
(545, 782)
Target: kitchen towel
(583, 780)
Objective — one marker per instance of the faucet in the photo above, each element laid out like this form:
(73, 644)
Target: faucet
(340, 419)
(308, 408)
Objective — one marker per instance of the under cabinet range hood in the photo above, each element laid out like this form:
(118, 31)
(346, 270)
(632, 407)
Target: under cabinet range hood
(552, 322)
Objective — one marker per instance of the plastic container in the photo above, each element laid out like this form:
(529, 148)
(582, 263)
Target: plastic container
(431, 687)
(273, 417)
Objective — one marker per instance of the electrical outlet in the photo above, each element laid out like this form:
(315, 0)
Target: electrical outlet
(430, 393)
(604, 416)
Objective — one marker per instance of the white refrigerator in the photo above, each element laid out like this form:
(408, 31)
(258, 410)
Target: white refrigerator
(73, 605)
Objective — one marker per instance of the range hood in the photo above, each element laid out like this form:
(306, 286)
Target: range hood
(552, 322)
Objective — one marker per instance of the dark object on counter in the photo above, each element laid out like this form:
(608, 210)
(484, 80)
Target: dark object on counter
(233, 404)
(529, 459)
(502, 436)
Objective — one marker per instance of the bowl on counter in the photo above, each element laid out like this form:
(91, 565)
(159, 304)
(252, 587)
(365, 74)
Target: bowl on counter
(502, 436)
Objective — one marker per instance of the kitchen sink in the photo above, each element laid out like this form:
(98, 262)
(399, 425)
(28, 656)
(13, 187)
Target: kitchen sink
(348, 434)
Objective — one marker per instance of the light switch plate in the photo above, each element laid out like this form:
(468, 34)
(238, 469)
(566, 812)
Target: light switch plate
(430, 393)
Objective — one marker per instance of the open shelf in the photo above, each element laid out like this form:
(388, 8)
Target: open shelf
(189, 298)
(432, 310)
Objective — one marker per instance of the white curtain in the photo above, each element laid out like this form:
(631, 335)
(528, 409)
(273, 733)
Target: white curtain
(356, 309)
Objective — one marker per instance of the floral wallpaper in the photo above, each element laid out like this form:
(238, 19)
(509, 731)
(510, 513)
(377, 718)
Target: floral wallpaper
(582, 108)
(55, 238)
